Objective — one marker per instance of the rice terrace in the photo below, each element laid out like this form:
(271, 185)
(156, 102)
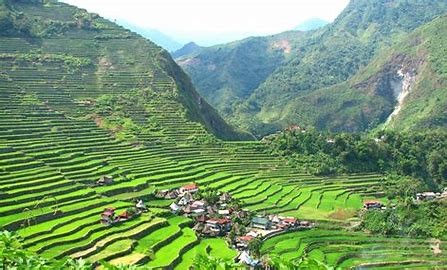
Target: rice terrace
(112, 157)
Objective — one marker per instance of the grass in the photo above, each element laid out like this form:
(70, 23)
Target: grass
(350, 249)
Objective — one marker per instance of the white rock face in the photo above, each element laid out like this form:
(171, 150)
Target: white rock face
(401, 88)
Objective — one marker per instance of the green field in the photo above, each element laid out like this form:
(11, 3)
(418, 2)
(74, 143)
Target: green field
(345, 250)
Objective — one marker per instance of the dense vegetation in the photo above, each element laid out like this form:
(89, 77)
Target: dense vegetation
(227, 74)
(413, 163)
(420, 155)
(422, 220)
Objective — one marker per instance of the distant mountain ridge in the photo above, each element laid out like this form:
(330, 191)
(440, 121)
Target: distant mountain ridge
(319, 60)
(159, 38)
(188, 49)
(229, 73)
(311, 24)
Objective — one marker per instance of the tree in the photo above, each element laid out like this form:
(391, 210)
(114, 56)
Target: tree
(204, 262)
(254, 246)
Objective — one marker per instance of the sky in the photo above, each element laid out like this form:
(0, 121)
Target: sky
(211, 21)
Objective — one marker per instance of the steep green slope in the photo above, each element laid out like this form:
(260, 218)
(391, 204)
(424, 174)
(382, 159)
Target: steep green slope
(407, 80)
(227, 74)
(105, 57)
(330, 56)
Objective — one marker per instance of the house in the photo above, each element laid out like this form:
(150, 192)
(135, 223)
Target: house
(161, 194)
(426, 196)
(261, 223)
(224, 212)
(124, 216)
(242, 241)
(173, 194)
(245, 258)
(167, 194)
(275, 219)
(197, 212)
(108, 216)
(174, 208)
(218, 226)
(186, 199)
(289, 222)
(197, 205)
(140, 206)
(191, 188)
(372, 205)
(305, 224)
(105, 180)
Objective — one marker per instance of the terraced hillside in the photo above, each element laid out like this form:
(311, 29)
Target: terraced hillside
(75, 105)
(354, 250)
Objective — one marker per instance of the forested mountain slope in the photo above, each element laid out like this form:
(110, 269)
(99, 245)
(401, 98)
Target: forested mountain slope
(105, 58)
(320, 59)
(403, 88)
(227, 74)
(332, 56)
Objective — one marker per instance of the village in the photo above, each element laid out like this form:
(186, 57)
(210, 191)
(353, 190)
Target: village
(214, 214)
(217, 214)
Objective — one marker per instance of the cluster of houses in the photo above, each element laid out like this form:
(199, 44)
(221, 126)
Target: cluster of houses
(429, 195)
(218, 219)
(263, 226)
(420, 197)
(109, 216)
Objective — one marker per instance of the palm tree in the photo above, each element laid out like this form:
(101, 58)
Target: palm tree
(204, 262)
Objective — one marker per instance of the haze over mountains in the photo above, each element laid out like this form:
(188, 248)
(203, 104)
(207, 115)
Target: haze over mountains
(267, 83)
(311, 24)
(159, 38)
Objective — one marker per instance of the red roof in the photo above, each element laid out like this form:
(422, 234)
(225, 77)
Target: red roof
(289, 220)
(372, 202)
(124, 214)
(190, 186)
(245, 238)
(108, 212)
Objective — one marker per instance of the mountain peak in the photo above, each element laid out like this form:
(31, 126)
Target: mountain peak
(311, 24)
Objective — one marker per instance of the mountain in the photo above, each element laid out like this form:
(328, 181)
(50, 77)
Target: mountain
(159, 38)
(187, 50)
(331, 55)
(319, 60)
(110, 74)
(311, 24)
(227, 74)
(403, 88)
